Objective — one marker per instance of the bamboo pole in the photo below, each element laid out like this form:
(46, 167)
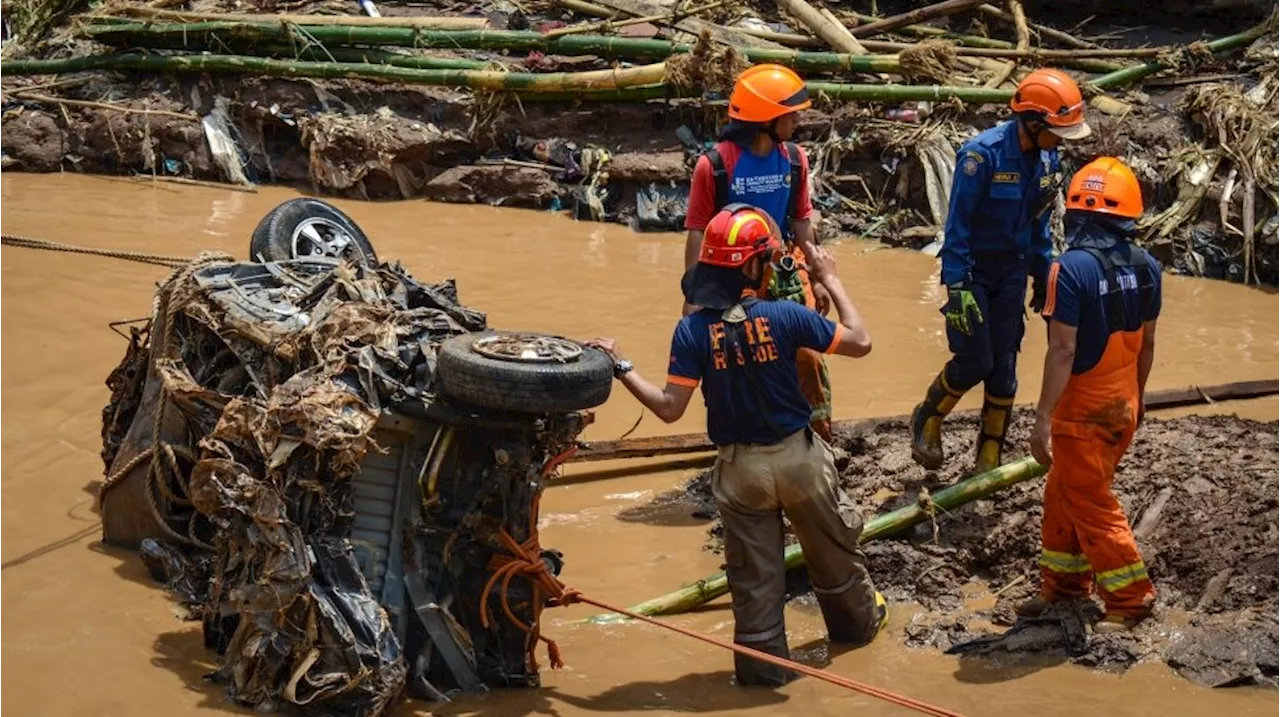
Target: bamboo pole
(882, 526)
(912, 17)
(212, 35)
(422, 23)
(27, 96)
(692, 25)
(1024, 43)
(1224, 44)
(822, 27)
(475, 79)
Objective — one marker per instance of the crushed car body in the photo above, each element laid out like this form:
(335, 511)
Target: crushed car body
(322, 458)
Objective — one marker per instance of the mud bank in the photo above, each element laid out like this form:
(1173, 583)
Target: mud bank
(1202, 491)
(630, 161)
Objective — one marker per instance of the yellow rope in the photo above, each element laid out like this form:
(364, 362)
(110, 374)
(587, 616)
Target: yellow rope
(157, 259)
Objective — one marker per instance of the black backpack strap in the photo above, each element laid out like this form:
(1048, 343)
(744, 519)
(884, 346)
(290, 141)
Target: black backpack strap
(720, 177)
(1142, 272)
(797, 173)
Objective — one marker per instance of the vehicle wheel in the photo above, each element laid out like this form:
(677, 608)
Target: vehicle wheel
(523, 372)
(304, 227)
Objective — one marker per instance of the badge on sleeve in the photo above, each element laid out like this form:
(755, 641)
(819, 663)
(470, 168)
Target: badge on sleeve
(970, 166)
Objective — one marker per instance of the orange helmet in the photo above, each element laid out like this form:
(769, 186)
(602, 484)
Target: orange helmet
(1106, 186)
(734, 235)
(1055, 95)
(766, 92)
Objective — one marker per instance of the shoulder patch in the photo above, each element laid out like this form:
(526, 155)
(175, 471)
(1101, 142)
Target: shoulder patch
(969, 166)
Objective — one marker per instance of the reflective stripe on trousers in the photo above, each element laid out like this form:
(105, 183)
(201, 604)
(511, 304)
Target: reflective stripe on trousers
(1085, 535)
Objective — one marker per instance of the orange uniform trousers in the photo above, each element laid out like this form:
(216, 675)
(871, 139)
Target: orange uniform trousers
(1085, 537)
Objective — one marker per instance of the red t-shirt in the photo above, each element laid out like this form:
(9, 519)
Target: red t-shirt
(702, 190)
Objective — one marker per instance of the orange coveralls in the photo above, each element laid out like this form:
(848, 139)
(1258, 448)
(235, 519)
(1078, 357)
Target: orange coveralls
(1085, 535)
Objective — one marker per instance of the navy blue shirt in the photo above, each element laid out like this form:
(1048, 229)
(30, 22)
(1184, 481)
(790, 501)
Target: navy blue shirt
(995, 192)
(1076, 297)
(740, 409)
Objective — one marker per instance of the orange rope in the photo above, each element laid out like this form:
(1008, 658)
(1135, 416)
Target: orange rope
(524, 560)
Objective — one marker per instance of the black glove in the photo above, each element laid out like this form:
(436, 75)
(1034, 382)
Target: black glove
(1039, 294)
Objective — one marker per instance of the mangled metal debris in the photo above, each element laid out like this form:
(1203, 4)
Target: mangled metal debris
(318, 456)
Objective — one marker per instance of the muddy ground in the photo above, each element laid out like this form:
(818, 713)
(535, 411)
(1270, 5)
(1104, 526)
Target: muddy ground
(1211, 552)
(379, 141)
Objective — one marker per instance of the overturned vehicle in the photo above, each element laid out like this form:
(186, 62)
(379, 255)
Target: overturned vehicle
(331, 464)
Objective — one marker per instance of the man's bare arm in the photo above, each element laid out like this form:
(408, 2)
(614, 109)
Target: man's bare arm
(1057, 367)
(692, 248)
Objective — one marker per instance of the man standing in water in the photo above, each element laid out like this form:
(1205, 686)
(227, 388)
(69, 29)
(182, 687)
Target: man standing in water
(756, 163)
(997, 233)
(743, 352)
(1102, 304)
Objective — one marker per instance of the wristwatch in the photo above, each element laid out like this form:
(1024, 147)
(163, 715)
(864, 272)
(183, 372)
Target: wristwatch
(622, 368)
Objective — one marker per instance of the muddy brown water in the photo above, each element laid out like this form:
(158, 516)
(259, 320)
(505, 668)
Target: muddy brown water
(87, 634)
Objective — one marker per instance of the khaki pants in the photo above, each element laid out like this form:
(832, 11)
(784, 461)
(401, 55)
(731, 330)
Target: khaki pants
(754, 486)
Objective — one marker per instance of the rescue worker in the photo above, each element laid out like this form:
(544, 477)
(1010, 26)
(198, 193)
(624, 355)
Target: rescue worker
(1103, 299)
(743, 353)
(997, 233)
(756, 163)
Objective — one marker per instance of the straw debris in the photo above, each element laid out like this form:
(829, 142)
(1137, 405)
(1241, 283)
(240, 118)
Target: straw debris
(929, 61)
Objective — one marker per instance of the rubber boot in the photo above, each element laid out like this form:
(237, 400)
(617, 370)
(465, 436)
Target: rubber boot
(751, 672)
(991, 432)
(926, 422)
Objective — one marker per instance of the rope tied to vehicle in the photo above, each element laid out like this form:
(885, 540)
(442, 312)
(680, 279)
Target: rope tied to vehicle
(143, 257)
(525, 559)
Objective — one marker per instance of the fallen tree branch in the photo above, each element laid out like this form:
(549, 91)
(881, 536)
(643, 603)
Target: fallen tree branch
(23, 95)
(611, 24)
(1044, 31)
(693, 25)
(819, 25)
(1024, 43)
(911, 17)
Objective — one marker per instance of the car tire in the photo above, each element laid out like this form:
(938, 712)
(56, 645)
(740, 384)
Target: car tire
(304, 227)
(468, 370)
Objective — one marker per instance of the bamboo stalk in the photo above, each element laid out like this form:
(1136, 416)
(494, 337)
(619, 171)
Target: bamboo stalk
(882, 526)
(590, 8)
(839, 27)
(1224, 44)
(821, 26)
(1043, 30)
(206, 35)
(912, 17)
(475, 79)
(423, 23)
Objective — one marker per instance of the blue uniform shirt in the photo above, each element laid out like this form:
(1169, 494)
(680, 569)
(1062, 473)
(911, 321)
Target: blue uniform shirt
(1076, 297)
(996, 189)
(763, 408)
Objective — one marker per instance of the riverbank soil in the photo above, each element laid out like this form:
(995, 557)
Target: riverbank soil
(1200, 137)
(1202, 491)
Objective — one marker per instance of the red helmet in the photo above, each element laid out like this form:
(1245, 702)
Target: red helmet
(1055, 95)
(737, 233)
(1106, 186)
